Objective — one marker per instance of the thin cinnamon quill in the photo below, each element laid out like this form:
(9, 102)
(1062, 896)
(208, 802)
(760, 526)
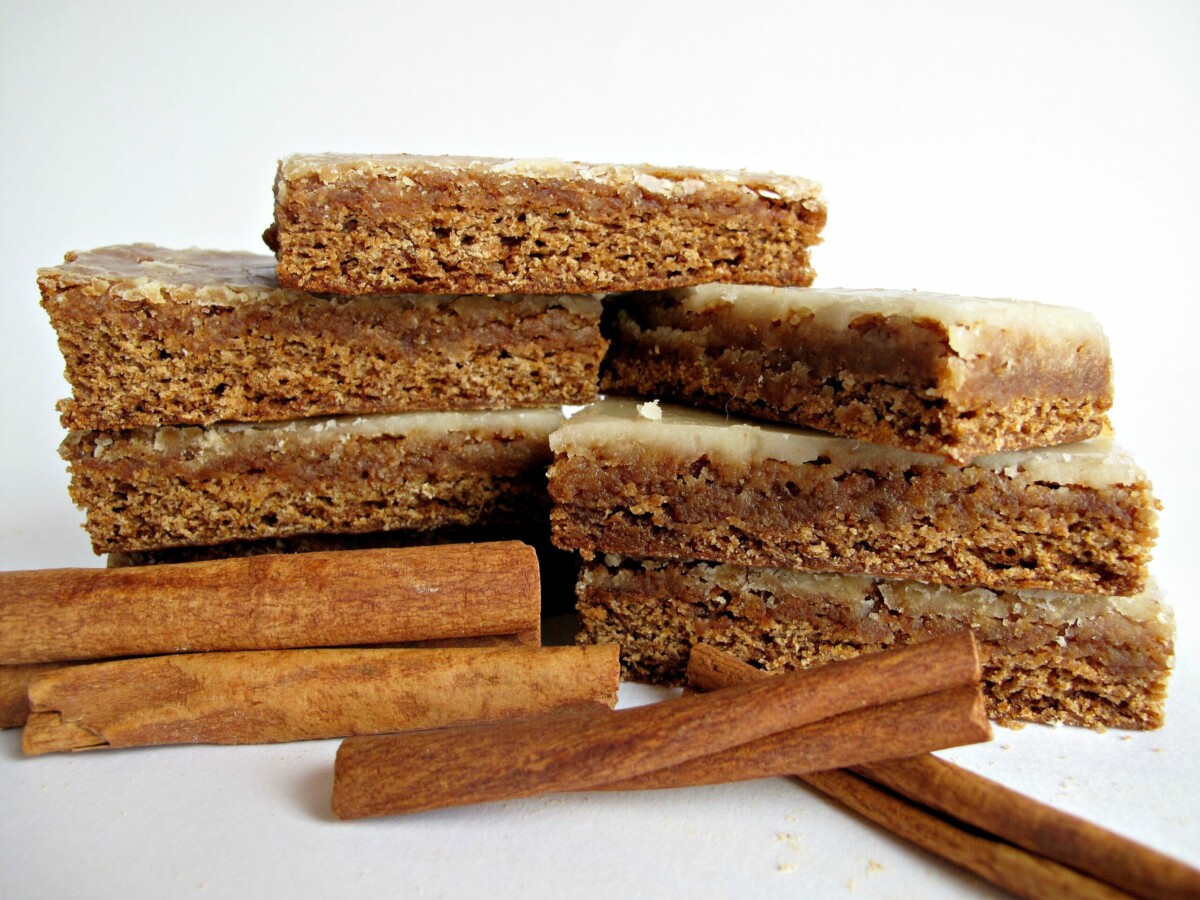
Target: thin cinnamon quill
(404, 773)
(1026, 847)
(947, 719)
(14, 690)
(271, 602)
(264, 696)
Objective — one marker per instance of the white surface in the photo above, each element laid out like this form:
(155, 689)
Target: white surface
(1038, 151)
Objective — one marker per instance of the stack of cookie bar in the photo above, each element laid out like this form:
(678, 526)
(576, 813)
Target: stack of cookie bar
(911, 463)
(215, 413)
(397, 373)
(964, 477)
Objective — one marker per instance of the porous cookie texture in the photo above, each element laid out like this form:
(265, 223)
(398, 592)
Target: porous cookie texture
(1099, 661)
(152, 488)
(155, 336)
(442, 224)
(955, 376)
(696, 485)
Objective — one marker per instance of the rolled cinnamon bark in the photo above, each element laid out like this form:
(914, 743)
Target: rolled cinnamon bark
(404, 773)
(933, 722)
(14, 688)
(270, 602)
(1049, 852)
(265, 696)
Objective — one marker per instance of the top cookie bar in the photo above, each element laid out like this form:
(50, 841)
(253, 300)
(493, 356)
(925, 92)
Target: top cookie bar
(361, 224)
(959, 377)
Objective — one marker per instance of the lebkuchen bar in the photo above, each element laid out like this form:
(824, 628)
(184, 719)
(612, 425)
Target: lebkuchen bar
(155, 336)
(153, 488)
(669, 482)
(957, 376)
(444, 224)
(1100, 661)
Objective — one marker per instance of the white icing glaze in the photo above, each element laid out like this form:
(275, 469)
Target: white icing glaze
(616, 425)
(224, 438)
(971, 323)
(150, 274)
(663, 181)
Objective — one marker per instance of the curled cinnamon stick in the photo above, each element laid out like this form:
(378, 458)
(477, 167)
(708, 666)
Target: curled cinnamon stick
(403, 773)
(1039, 828)
(15, 680)
(1013, 869)
(14, 688)
(270, 602)
(933, 722)
(1056, 840)
(263, 696)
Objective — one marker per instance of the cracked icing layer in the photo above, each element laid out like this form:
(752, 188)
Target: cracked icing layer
(668, 181)
(614, 422)
(973, 324)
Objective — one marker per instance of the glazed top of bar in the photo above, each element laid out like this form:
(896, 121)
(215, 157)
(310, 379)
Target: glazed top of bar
(618, 424)
(932, 600)
(150, 274)
(972, 323)
(193, 441)
(671, 182)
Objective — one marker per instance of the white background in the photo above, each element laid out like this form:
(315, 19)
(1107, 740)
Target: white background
(1033, 150)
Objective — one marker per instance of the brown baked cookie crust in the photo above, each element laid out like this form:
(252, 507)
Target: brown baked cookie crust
(1081, 660)
(154, 336)
(955, 376)
(148, 489)
(364, 224)
(698, 486)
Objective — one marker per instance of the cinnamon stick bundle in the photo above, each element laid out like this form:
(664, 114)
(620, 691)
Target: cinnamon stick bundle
(264, 696)
(403, 773)
(1026, 847)
(271, 602)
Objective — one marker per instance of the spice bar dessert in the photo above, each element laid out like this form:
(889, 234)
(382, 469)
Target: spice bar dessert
(956, 376)
(1047, 657)
(155, 336)
(650, 481)
(443, 224)
(150, 488)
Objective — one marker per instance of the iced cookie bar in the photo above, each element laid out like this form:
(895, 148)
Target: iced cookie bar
(153, 336)
(446, 224)
(147, 489)
(956, 376)
(650, 481)
(1047, 657)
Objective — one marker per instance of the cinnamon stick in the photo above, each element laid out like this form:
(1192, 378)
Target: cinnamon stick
(1009, 867)
(403, 773)
(265, 696)
(15, 680)
(1041, 829)
(933, 722)
(1101, 857)
(270, 602)
(14, 688)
